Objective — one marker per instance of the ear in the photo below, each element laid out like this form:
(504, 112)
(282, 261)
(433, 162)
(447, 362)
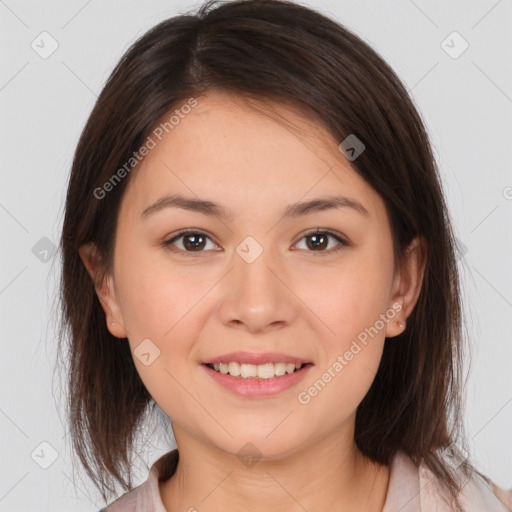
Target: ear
(104, 290)
(407, 284)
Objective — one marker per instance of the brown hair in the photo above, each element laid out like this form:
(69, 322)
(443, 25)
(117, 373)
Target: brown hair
(268, 50)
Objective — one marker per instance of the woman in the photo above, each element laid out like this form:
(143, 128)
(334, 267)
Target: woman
(257, 243)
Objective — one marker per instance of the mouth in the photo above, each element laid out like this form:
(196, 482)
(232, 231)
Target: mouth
(245, 371)
(252, 375)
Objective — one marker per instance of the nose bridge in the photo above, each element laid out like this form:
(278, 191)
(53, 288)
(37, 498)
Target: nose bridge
(252, 269)
(255, 294)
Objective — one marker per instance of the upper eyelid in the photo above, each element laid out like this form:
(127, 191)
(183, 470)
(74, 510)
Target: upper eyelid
(189, 231)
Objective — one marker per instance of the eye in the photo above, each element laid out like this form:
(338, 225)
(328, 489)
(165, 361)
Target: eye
(318, 241)
(191, 241)
(194, 241)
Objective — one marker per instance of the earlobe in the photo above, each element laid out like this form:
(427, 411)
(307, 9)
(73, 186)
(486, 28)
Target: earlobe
(104, 289)
(398, 324)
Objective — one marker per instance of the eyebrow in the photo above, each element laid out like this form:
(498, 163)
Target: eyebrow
(213, 209)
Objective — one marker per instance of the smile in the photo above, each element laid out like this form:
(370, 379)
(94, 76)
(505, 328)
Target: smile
(254, 386)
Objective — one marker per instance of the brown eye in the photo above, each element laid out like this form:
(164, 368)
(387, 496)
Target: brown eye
(318, 241)
(194, 242)
(190, 241)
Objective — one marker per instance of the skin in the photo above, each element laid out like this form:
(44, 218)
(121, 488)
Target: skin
(293, 298)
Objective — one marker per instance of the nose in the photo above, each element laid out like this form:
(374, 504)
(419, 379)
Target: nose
(258, 296)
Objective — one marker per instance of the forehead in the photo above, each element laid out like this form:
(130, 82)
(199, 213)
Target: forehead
(245, 154)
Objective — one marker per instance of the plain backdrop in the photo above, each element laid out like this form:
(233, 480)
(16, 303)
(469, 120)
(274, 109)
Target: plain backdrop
(465, 98)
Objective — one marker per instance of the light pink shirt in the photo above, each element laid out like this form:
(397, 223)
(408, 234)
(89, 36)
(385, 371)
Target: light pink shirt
(410, 490)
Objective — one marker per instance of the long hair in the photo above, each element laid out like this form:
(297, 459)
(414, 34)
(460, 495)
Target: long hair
(281, 51)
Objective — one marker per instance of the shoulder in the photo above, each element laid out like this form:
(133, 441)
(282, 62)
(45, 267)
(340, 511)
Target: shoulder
(477, 494)
(146, 496)
(504, 495)
(416, 489)
(130, 501)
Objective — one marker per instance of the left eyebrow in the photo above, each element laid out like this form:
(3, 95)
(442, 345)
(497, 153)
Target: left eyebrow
(213, 209)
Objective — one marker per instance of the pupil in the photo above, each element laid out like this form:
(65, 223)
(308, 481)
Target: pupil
(196, 244)
(316, 244)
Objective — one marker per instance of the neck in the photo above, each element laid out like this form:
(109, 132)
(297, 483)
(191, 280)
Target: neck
(330, 472)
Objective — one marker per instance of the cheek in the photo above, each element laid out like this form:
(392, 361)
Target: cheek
(156, 299)
(351, 347)
(160, 311)
(350, 300)
(167, 306)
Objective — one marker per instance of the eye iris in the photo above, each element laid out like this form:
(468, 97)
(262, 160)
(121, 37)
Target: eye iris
(198, 242)
(319, 241)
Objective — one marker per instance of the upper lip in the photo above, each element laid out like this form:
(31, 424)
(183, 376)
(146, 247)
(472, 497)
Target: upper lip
(255, 358)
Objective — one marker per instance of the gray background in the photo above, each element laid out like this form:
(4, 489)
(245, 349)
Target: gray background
(466, 103)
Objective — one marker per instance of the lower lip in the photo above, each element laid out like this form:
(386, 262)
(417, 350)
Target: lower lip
(258, 387)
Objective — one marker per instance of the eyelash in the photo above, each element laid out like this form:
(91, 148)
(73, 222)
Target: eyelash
(167, 243)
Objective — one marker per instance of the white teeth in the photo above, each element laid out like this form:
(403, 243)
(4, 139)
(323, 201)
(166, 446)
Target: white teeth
(261, 371)
(248, 370)
(280, 369)
(290, 367)
(266, 371)
(234, 369)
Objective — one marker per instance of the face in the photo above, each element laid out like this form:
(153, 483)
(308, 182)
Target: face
(314, 285)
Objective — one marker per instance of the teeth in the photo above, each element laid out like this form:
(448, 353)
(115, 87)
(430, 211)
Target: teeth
(261, 371)
(279, 369)
(247, 370)
(234, 369)
(290, 367)
(266, 371)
